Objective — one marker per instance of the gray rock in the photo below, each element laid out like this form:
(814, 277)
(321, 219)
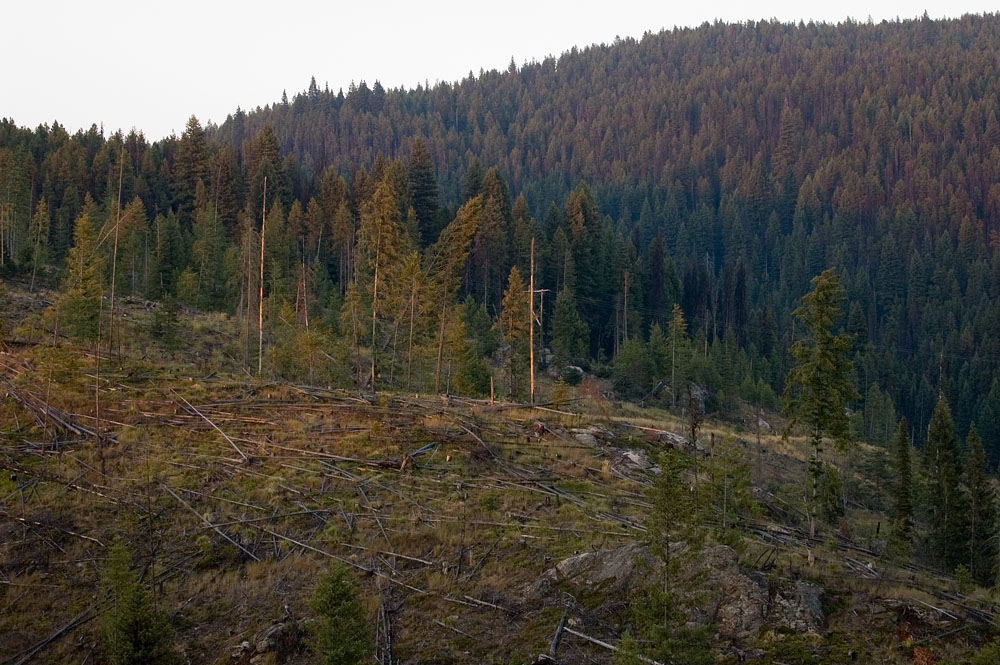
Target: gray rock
(591, 436)
(799, 608)
(609, 570)
(733, 601)
(736, 602)
(281, 639)
(631, 461)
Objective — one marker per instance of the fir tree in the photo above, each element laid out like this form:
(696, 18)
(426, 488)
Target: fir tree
(135, 631)
(982, 513)
(570, 335)
(679, 352)
(946, 504)
(819, 387)
(513, 326)
(423, 191)
(343, 635)
(38, 236)
(381, 246)
(902, 508)
(80, 302)
(443, 263)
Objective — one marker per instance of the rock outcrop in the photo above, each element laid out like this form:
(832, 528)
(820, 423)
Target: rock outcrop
(736, 603)
(611, 570)
(272, 645)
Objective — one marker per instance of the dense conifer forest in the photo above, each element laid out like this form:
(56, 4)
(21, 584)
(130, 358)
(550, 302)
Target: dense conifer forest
(715, 222)
(717, 168)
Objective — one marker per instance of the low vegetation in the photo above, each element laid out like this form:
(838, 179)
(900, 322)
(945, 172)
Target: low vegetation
(159, 504)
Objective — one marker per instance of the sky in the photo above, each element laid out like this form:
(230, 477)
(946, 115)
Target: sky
(150, 66)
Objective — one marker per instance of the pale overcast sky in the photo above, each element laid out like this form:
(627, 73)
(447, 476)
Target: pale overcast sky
(151, 65)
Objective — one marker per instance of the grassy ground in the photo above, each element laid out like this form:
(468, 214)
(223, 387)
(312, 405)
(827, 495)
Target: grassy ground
(234, 493)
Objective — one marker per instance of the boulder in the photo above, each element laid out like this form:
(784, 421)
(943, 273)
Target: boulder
(274, 644)
(611, 570)
(591, 436)
(735, 602)
(633, 460)
(799, 608)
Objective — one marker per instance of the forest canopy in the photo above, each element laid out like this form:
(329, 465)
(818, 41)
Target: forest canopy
(717, 168)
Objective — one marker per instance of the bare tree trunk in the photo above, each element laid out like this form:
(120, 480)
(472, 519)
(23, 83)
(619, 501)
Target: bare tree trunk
(375, 308)
(409, 349)
(114, 254)
(437, 371)
(97, 390)
(531, 322)
(260, 302)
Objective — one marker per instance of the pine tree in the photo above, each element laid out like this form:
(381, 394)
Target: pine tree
(343, 633)
(570, 335)
(442, 266)
(513, 326)
(80, 302)
(982, 513)
(819, 387)
(206, 253)
(423, 191)
(902, 508)
(946, 503)
(190, 169)
(679, 352)
(135, 631)
(381, 245)
(38, 236)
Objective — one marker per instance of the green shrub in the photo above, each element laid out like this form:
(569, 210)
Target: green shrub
(343, 635)
(135, 630)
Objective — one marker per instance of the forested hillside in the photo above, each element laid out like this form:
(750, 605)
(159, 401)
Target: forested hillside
(716, 168)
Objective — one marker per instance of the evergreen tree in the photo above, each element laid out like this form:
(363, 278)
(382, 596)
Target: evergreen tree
(381, 246)
(343, 633)
(190, 169)
(633, 370)
(659, 352)
(206, 252)
(659, 607)
(352, 325)
(133, 247)
(513, 326)
(982, 513)
(443, 263)
(679, 353)
(570, 335)
(472, 182)
(819, 387)
(423, 191)
(135, 631)
(946, 504)
(38, 236)
(902, 508)
(80, 303)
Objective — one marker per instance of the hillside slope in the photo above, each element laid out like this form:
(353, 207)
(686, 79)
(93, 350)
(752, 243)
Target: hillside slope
(469, 528)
